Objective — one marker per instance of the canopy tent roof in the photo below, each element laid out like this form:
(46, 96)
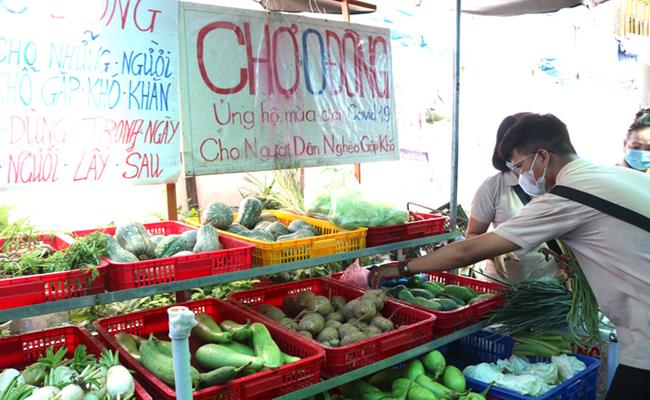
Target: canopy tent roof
(318, 6)
(520, 7)
(479, 7)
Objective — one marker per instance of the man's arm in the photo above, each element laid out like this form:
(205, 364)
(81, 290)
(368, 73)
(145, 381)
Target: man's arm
(455, 255)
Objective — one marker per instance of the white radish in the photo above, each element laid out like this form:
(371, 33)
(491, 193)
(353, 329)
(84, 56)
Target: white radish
(119, 382)
(44, 393)
(7, 376)
(70, 392)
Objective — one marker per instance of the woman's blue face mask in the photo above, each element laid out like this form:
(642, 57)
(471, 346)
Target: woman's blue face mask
(638, 159)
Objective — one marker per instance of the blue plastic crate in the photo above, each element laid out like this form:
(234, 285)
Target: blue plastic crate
(488, 347)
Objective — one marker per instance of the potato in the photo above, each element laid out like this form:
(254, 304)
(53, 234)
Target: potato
(306, 334)
(333, 323)
(312, 323)
(289, 323)
(271, 311)
(365, 310)
(353, 337)
(320, 304)
(377, 296)
(384, 324)
(328, 334)
(371, 331)
(346, 329)
(338, 302)
(335, 316)
(302, 299)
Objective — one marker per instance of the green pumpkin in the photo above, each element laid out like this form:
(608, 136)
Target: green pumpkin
(135, 239)
(171, 245)
(117, 253)
(207, 239)
(250, 210)
(218, 215)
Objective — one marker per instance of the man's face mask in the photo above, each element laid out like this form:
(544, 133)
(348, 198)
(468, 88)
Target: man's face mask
(638, 159)
(529, 184)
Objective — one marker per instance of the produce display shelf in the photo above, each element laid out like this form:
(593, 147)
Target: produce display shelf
(380, 365)
(128, 294)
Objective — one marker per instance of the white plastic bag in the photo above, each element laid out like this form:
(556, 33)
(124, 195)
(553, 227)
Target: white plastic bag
(567, 366)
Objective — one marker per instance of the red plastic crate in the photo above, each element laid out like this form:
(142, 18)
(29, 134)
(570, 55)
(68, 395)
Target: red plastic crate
(429, 226)
(53, 286)
(262, 385)
(414, 326)
(19, 351)
(236, 255)
(450, 321)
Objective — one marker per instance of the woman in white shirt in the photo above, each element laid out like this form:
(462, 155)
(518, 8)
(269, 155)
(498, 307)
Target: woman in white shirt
(496, 201)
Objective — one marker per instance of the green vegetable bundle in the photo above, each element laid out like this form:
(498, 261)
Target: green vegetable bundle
(26, 255)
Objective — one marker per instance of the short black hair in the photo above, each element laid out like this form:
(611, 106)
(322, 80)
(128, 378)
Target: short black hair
(641, 121)
(498, 161)
(534, 131)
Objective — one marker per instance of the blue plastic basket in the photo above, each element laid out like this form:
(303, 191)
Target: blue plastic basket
(488, 347)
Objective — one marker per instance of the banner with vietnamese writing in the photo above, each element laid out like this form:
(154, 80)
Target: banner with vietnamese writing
(265, 90)
(89, 92)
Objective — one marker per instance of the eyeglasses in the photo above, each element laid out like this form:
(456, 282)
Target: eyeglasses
(516, 166)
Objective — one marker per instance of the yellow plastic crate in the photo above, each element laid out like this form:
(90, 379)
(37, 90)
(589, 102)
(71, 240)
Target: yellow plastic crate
(330, 240)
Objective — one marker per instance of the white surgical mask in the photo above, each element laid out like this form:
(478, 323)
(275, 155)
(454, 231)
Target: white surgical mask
(527, 181)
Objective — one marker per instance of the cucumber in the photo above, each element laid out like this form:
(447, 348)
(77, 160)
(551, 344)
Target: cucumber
(461, 292)
(129, 344)
(396, 290)
(425, 294)
(447, 304)
(208, 330)
(219, 376)
(288, 359)
(265, 347)
(441, 391)
(162, 366)
(481, 297)
(456, 300)
(212, 356)
(432, 288)
(238, 332)
(240, 348)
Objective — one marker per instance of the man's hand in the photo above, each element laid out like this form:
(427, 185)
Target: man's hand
(386, 271)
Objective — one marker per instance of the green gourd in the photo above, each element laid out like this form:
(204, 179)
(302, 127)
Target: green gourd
(171, 245)
(161, 365)
(117, 253)
(211, 356)
(190, 237)
(207, 239)
(135, 239)
(259, 235)
(299, 224)
(209, 331)
(300, 234)
(266, 216)
(237, 229)
(277, 229)
(264, 346)
(250, 210)
(218, 215)
(262, 225)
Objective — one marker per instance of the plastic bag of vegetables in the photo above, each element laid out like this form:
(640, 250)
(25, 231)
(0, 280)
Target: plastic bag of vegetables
(342, 201)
